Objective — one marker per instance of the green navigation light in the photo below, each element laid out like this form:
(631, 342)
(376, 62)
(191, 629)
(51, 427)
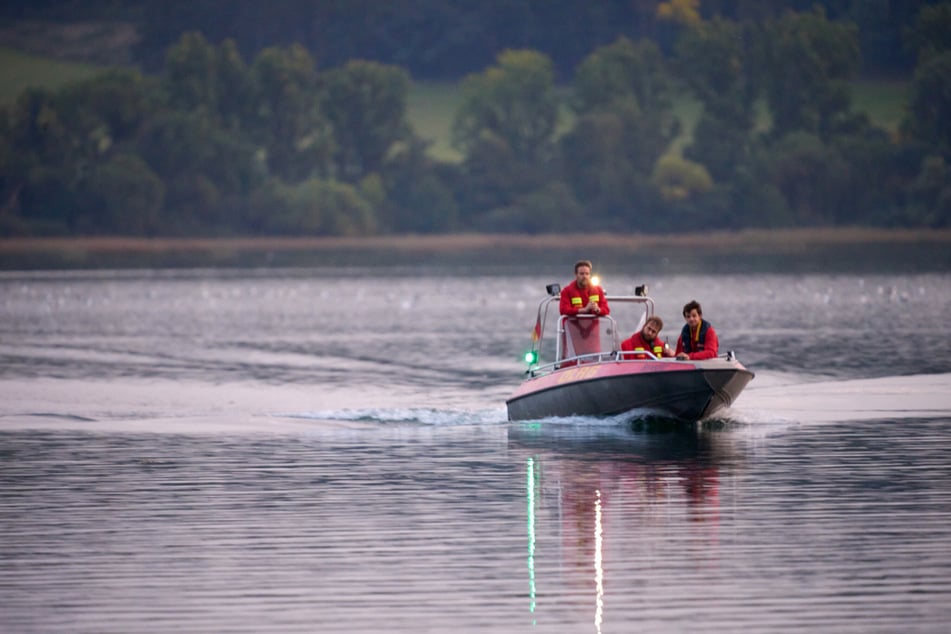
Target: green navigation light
(531, 357)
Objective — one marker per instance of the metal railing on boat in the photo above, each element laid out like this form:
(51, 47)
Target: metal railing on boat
(610, 352)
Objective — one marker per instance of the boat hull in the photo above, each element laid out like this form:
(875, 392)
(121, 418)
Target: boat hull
(682, 390)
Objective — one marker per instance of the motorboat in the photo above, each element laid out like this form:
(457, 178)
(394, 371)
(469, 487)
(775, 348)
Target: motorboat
(587, 373)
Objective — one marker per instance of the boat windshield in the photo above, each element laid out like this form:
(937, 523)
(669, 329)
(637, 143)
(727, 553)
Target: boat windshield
(585, 339)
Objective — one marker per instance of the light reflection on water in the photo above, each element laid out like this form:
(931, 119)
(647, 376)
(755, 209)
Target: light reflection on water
(204, 453)
(408, 528)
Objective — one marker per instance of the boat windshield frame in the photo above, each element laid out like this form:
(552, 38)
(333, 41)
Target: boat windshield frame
(537, 367)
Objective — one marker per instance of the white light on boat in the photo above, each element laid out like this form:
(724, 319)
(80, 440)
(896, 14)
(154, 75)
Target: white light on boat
(596, 280)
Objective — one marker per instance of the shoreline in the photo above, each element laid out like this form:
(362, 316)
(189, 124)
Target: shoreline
(746, 237)
(819, 248)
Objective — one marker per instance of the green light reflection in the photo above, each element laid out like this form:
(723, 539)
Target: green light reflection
(530, 486)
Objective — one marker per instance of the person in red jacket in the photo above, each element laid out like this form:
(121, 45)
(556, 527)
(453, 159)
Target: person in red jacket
(698, 340)
(581, 297)
(647, 339)
(586, 302)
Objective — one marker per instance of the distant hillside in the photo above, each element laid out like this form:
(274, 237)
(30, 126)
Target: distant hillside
(86, 42)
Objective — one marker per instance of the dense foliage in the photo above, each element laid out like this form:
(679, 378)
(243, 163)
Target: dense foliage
(445, 39)
(220, 142)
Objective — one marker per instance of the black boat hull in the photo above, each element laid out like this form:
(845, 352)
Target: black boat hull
(685, 392)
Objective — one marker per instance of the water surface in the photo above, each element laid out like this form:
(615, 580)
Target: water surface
(327, 449)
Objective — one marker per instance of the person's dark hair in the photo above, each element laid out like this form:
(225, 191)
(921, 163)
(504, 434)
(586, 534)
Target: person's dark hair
(654, 319)
(692, 304)
(586, 263)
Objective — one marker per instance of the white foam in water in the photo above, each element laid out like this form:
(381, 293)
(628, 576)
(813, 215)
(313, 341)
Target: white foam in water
(423, 416)
(780, 397)
(169, 407)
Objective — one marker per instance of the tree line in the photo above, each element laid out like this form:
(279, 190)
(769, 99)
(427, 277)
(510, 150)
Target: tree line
(446, 39)
(213, 144)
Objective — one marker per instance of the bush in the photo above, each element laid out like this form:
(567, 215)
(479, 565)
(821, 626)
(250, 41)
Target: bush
(313, 207)
(679, 179)
(548, 209)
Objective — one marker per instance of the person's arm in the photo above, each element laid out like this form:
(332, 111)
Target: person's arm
(680, 345)
(565, 305)
(711, 347)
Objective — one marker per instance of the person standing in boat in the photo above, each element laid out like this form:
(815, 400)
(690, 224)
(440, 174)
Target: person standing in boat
(585, 301)
(698, 340)
(647, 339)
(581, 296)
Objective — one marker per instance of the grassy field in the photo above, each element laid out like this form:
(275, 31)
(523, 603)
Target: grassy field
(19, 71)
(430, 109)
(882, 100)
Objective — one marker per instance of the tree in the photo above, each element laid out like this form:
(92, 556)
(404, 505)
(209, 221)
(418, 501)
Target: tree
(32, 135)
(928, 114)
(550, 208)
(419, 196)
(930, 194)
(366, 105)
(880, 24)
(930, 35)
(208, 172)
(312, 207)
(929, 104)
(608, 157)
(685, 12)
(879, 172)
(189, 74)
(38, 133)
(807, 64)
(625, 123)
(513, 101)
(289, 124)
(623, 71)
(11, 182)
(721, 145)
(812, 177)
(492, 176)
(123, 196)
(109, 108)
(57, 141)
(679, 179)
(715, 60)
(199, 76)
(754, 201)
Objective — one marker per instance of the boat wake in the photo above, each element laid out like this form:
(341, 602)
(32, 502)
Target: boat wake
(776, 397)
(417, 416)
(772, 399)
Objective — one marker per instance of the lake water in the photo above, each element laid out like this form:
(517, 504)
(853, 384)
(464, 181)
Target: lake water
(327, 450)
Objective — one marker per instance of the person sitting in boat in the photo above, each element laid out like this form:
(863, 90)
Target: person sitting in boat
(698, 340)
(581, 297)
(646, 339)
